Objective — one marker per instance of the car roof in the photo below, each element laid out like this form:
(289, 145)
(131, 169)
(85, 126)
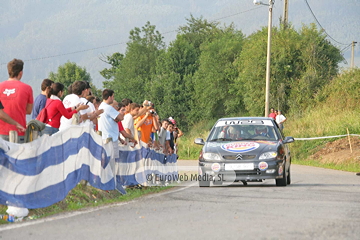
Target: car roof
(245, 118)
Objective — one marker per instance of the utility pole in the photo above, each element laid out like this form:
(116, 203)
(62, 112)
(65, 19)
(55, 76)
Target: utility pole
(352, 54)
(267, 93)
(286, 13)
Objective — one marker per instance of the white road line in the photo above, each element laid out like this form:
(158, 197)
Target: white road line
(79, 212)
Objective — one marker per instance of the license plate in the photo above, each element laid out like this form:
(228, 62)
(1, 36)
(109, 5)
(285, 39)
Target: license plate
(239, 166)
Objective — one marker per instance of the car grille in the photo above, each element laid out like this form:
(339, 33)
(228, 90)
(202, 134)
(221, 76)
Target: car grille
(243, 157)
(253, 172)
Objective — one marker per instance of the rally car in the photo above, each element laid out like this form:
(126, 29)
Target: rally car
(246, 149)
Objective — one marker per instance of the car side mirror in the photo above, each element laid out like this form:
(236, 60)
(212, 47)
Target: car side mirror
(199, 141)
(288, 140)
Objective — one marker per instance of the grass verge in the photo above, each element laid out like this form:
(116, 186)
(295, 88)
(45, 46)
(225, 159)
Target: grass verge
(83, 196)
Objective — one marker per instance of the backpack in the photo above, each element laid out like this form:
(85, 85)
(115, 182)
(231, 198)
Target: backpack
(43, 114)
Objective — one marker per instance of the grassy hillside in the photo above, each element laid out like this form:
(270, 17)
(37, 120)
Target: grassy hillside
(337, 110)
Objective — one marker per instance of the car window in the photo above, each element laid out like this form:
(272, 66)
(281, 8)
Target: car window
(236, 132)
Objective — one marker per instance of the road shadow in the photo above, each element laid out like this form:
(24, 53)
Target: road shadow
(266, 185)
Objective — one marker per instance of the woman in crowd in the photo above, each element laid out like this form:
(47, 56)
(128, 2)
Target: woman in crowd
(55, 109)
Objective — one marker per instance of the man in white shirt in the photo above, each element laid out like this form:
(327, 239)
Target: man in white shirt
(280, 119)
(72, 100)
(91, 112)
(79, 89)
(108, 120)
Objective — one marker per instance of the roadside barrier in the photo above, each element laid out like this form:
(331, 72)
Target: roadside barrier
(42, 172)
(315, 138)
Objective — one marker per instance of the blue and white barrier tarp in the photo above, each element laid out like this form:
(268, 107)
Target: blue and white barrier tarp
(41, 173)
(136, 165)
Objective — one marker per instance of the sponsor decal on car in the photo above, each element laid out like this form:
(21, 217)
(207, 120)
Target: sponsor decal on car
(281, 170)
(215, 167)
(263, 166)
(240, 147)
(266, 142)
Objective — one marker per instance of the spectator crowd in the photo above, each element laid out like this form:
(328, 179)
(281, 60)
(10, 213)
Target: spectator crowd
(122, 122)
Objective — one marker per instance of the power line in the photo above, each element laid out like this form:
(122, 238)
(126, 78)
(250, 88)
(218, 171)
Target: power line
(320, 24)
(121, 43)
(342, 50)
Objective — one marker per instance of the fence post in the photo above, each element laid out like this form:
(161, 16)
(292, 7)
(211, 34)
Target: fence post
(347, 129)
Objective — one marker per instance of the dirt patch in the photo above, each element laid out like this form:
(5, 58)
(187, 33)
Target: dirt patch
(339, 151)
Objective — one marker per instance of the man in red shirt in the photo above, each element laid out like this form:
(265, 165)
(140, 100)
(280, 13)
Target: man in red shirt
(6, 118)
(272, 113)
(17, 99)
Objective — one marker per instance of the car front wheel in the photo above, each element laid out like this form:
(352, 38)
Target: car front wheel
(204, 183)
(282, 181)
(288, 179)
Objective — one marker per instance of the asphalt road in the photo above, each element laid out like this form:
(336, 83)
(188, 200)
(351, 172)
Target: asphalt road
(319, 204)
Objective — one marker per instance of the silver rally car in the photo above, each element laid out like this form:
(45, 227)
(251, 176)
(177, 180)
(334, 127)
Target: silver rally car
(246, 149)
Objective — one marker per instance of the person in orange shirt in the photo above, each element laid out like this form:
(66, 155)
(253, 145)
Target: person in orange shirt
(147, 123)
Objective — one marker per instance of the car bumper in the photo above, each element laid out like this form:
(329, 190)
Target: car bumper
(221, 171)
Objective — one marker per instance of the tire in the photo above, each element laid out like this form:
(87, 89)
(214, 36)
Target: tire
(288, 178)
(282, 182)
(204, 183)
(218, 183)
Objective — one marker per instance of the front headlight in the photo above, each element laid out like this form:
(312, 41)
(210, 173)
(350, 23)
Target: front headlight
(268, 155)
(211, 156)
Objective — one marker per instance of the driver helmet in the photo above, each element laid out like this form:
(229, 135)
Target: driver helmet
(234, 132)
(261, 130)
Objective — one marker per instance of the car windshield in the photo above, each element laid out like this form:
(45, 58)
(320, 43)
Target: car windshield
(236, 131)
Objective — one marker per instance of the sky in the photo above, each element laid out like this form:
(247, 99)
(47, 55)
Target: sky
(46, 34)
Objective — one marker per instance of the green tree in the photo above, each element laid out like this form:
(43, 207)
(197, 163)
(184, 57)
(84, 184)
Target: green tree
(301, 64)
(69, 73)
(213, 96)
(115, 61)
(172, 84)
(319, 59)
(132, 72)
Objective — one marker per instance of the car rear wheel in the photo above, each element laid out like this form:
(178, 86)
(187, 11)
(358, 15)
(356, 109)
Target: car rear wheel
(282, 181)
